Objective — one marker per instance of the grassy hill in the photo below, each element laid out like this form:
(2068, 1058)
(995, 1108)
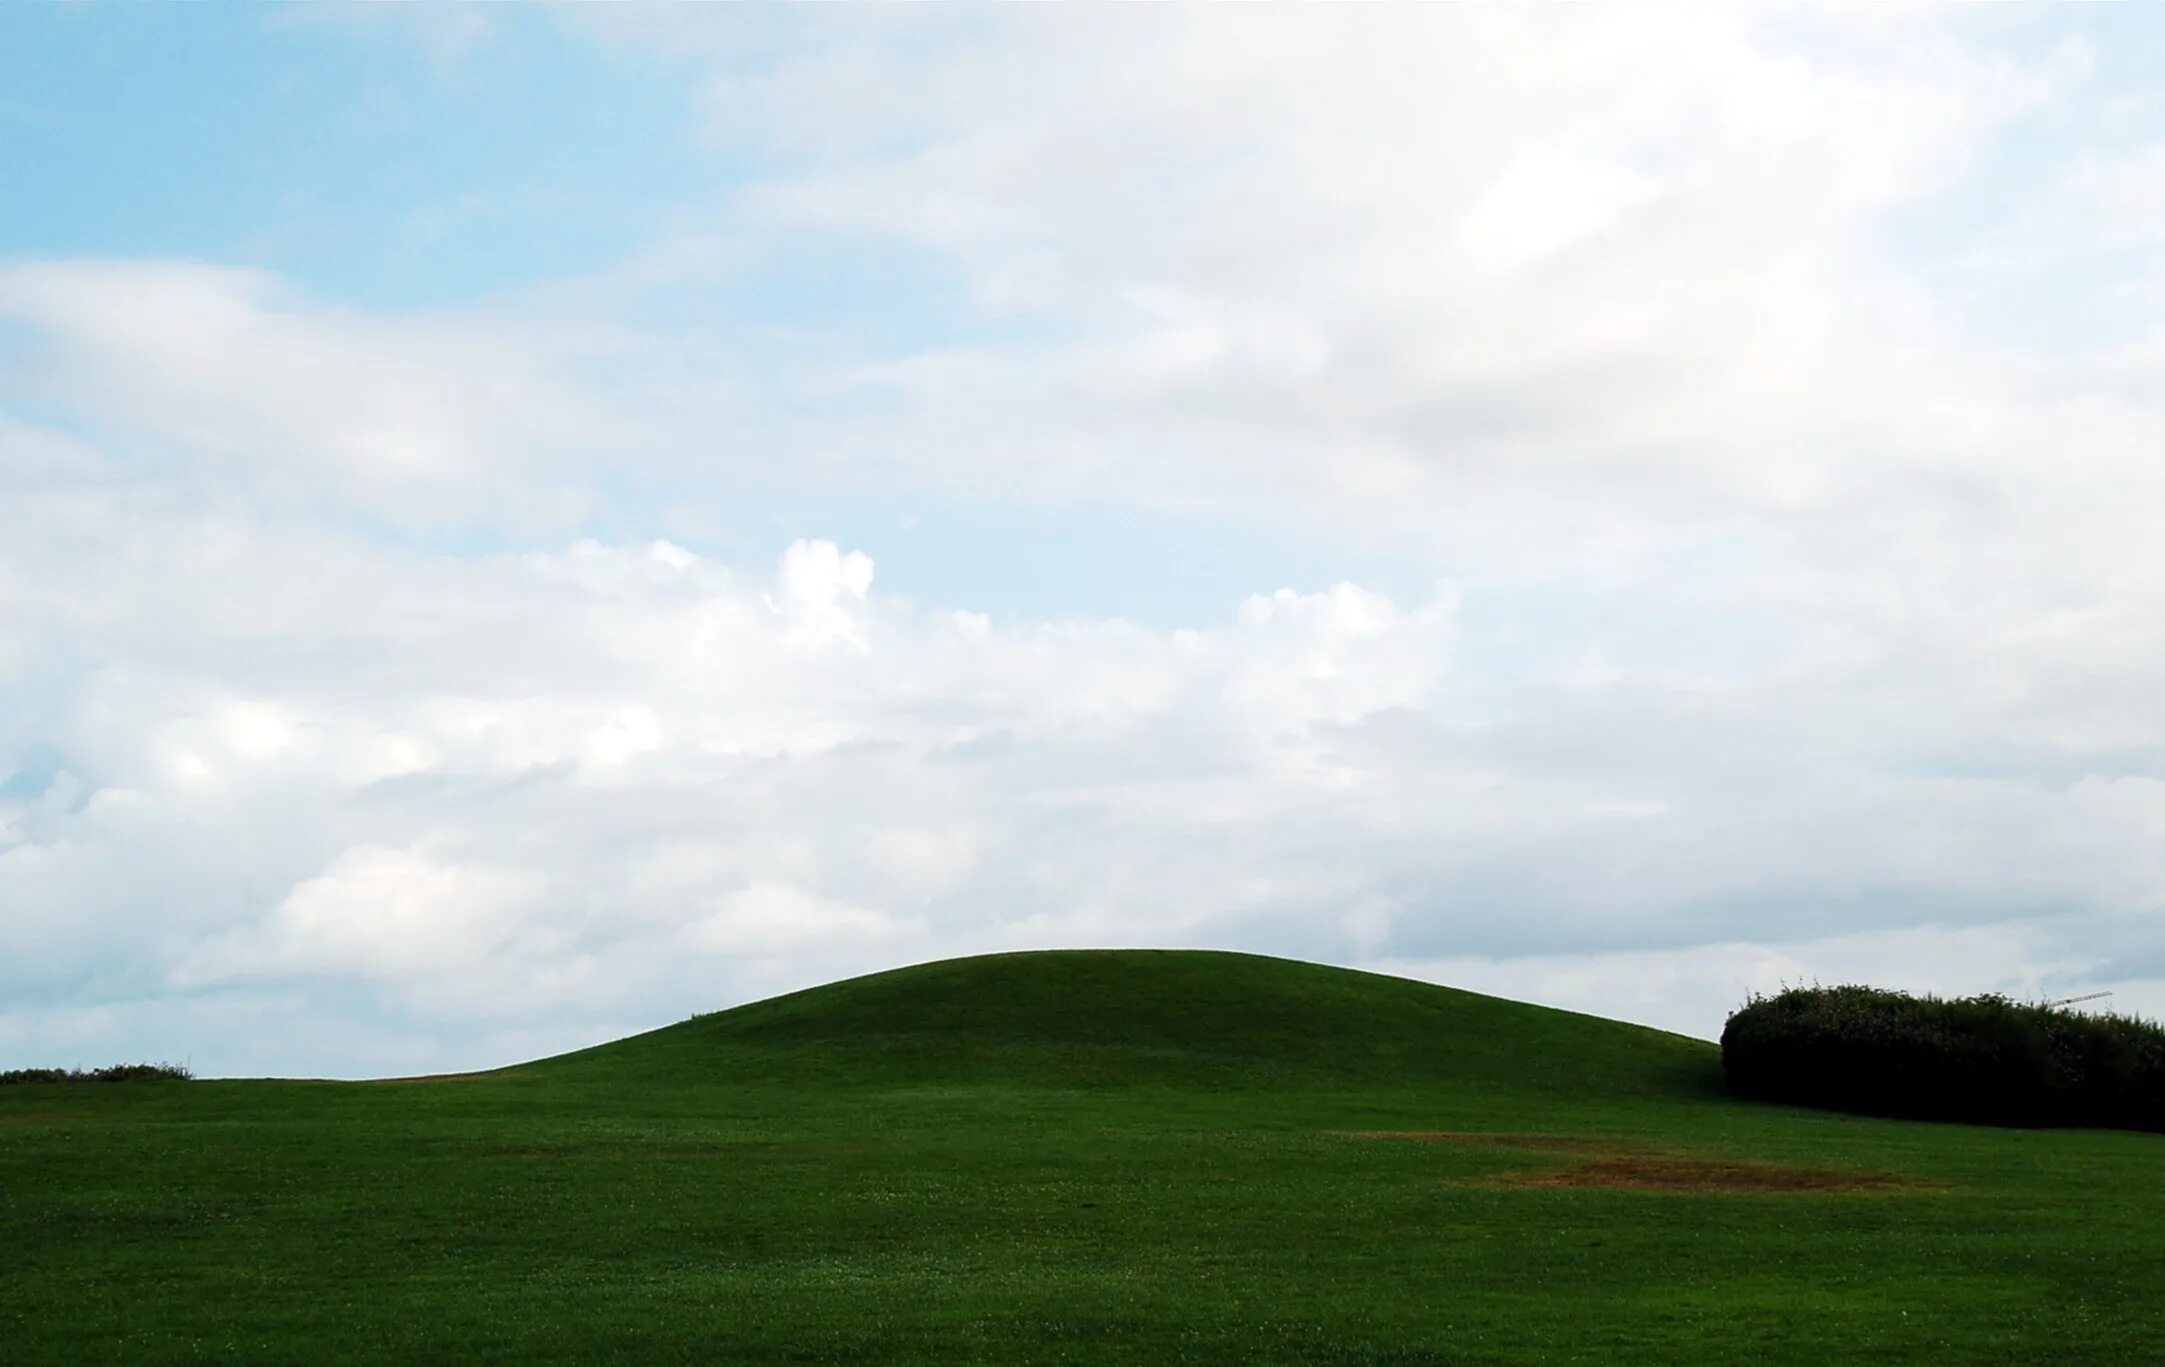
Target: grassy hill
(1156, 1018)
(1070, 1157)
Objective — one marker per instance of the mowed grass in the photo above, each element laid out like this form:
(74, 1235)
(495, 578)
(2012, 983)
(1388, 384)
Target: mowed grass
(1074, 1157)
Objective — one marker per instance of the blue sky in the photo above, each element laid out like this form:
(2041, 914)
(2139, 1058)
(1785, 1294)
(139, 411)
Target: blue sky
(519, 524)
(350, 160)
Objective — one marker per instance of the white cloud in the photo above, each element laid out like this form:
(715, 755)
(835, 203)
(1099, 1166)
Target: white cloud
(417, 418)
(524, 784)
(817, 592)
(395, 914)
(1419, 245)
(768, 918)
(1693, 990)
(617, 783)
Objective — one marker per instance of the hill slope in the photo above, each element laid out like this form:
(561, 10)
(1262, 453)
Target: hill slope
(1163, 1017)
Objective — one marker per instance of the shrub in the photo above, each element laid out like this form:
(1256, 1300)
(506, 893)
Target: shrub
(118, 1072)
(1985, 1059)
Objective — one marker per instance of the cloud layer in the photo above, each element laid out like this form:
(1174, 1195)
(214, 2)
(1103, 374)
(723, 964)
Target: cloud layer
(395, 689)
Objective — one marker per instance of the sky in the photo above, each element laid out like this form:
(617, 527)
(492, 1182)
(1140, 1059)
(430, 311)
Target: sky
(521, 525)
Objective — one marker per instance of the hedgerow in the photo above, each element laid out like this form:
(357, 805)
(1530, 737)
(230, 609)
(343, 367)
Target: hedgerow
(1984, 1059)
(118, 1072)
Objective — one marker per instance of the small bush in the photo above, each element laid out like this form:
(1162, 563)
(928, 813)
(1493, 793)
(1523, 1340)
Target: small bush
(1983, 1059)
(118, 1072)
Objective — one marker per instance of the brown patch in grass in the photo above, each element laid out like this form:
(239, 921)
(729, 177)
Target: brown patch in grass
(1638, 1172)
(1618, 1166)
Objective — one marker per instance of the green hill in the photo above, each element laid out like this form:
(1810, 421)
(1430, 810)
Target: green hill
(1084, 1157)
(1157, 1017)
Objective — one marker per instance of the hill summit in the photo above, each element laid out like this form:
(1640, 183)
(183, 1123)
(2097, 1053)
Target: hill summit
(1142, 1017)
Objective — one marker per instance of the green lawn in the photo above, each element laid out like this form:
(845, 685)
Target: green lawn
(1064, 1158)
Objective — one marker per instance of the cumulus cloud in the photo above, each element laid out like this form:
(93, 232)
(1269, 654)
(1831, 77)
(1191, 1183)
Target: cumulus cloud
(613, 776)
(619, 780)
(817, 590)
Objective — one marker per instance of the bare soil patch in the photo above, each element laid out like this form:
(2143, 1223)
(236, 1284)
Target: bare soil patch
(1605, 1163)
(1640, 1172)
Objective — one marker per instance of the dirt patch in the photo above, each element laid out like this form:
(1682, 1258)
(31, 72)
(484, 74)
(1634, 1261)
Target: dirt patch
(1637, 1172)
(1606, 1163)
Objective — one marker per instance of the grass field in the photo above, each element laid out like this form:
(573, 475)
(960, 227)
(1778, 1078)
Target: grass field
(1075, 1157)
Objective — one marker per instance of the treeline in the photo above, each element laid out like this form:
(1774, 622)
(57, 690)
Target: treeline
(119, 1072)
(1982, 1059)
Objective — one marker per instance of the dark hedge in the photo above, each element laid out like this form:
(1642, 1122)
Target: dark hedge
(1984, 1059)
(119, 1072)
